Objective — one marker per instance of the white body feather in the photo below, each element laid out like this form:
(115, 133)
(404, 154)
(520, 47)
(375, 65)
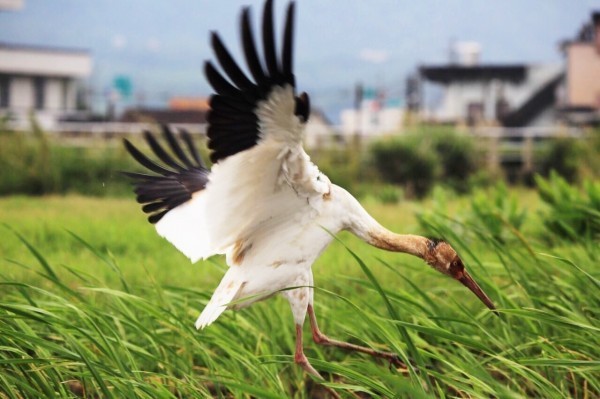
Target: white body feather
(275, 221)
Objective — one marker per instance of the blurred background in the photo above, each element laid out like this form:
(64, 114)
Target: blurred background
(517, 84)
(474, 121)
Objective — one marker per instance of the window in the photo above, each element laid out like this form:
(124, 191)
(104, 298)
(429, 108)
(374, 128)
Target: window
(4, 91)
(65, 94)
(502, 109)
(39, 92)
(474, 113)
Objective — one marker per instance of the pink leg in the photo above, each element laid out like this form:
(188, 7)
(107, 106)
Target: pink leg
(303, 362)
(323, 339)
(299, 356)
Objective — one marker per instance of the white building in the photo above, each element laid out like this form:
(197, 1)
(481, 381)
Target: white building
(493, 94)
(319, 131)
(41, 81)
(374, 117)
(581, 101)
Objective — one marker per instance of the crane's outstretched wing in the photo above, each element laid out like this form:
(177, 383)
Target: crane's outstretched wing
(173, 185)
(261, 177)
(175, 189)
(236, 123)
(256, 131)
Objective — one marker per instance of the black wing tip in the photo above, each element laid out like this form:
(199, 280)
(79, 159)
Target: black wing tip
(245, 18)
(215, 38)
(167, 133)
(288, 47)
(128, 146)
(167, 189)
(279, 71)
(130, 175)
(155, 218)
(165, 127)
(268, 38)
(208, 65)
(152, 207)
(291, 11)
(241, 92)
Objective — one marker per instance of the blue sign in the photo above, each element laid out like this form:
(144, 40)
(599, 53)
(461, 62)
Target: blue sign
(123, 86)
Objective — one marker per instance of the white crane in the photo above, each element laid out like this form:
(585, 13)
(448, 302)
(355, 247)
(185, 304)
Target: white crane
(263, 203)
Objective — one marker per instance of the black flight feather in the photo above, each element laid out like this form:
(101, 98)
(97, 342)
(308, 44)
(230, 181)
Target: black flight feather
(141, 158)
(153, 207)
(168, 188)
(157, 216)
(219, 83)
(160, 152)
(288, 46)
(192, 148)
(175, 147)
(228, 64)
(269, 40)
(250, 52)
(229, 106)
(233, 123)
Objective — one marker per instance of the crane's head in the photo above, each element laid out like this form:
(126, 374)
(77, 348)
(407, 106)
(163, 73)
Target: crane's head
(443, 258)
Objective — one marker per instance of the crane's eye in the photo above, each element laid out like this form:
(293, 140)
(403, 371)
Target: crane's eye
(456, 267)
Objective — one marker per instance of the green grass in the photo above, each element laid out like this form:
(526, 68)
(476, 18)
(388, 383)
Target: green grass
(93, 303)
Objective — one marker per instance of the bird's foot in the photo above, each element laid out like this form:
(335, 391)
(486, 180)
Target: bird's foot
(301, 360)
(397, 363)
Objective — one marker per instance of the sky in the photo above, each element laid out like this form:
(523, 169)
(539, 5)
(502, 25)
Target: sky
(162, 45)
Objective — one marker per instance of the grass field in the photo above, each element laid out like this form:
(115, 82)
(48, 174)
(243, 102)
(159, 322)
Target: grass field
(94, 304)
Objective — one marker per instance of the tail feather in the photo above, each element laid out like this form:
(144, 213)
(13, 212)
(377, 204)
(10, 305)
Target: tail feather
(225, 293)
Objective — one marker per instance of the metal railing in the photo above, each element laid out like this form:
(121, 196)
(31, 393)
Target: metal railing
(502, 146)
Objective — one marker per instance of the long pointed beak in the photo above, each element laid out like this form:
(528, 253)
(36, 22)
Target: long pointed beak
(468, 282)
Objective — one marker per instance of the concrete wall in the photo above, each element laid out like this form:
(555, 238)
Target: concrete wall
(583, 75)
(21, 93)
(60, 94)
(54, 97)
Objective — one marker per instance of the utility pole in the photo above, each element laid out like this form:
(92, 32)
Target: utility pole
(358, 99)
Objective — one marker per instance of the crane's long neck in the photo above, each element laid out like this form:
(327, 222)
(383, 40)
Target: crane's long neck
(436, 253)
(369, 230)
(375, 234)
(407, 243)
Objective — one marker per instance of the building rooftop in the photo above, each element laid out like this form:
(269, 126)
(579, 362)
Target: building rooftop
(189, 103)
(450, 73)
(41, 49)
(20, 59)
